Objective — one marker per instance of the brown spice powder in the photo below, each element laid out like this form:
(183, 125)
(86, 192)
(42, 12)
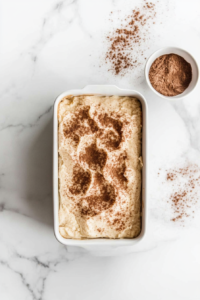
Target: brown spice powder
(81, 180)
(171, 176)
(170, 74)
(113, 137)
(80, 124)
(94, 204)
(103, 194)
(117, 172)
(122, 40)
(94, 157)
(183, 200)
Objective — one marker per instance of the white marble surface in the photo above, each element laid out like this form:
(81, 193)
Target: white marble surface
(51, 46)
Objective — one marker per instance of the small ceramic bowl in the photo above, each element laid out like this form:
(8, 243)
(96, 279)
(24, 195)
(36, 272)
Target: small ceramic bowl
(187, 56)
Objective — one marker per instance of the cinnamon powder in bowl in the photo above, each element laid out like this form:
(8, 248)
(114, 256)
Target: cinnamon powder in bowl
(172, 73)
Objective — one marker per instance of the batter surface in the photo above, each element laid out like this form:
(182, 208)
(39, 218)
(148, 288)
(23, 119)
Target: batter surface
(99, 167)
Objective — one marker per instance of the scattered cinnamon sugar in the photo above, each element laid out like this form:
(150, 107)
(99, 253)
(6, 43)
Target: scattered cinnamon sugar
(171, 176)
(134, 31)
(120, 220)
(184, 198)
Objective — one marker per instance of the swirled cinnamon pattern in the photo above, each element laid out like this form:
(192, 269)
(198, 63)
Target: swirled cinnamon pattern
(99, 170)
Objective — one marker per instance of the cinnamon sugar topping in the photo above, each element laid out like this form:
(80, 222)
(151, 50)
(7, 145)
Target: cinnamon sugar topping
(112, 137)
(94, 157)
(81, 180)
(94, 204)
(117, 172)
(80, 124)
(98, 182)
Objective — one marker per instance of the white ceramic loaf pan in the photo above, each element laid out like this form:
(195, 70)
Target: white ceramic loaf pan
(107, 90)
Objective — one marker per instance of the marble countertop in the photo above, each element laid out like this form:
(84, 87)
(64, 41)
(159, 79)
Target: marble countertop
(48, 47)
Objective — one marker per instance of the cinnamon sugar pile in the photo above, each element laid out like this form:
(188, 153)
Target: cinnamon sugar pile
(95, 158)
(183, 200)
(121, 53)
(170, 74)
